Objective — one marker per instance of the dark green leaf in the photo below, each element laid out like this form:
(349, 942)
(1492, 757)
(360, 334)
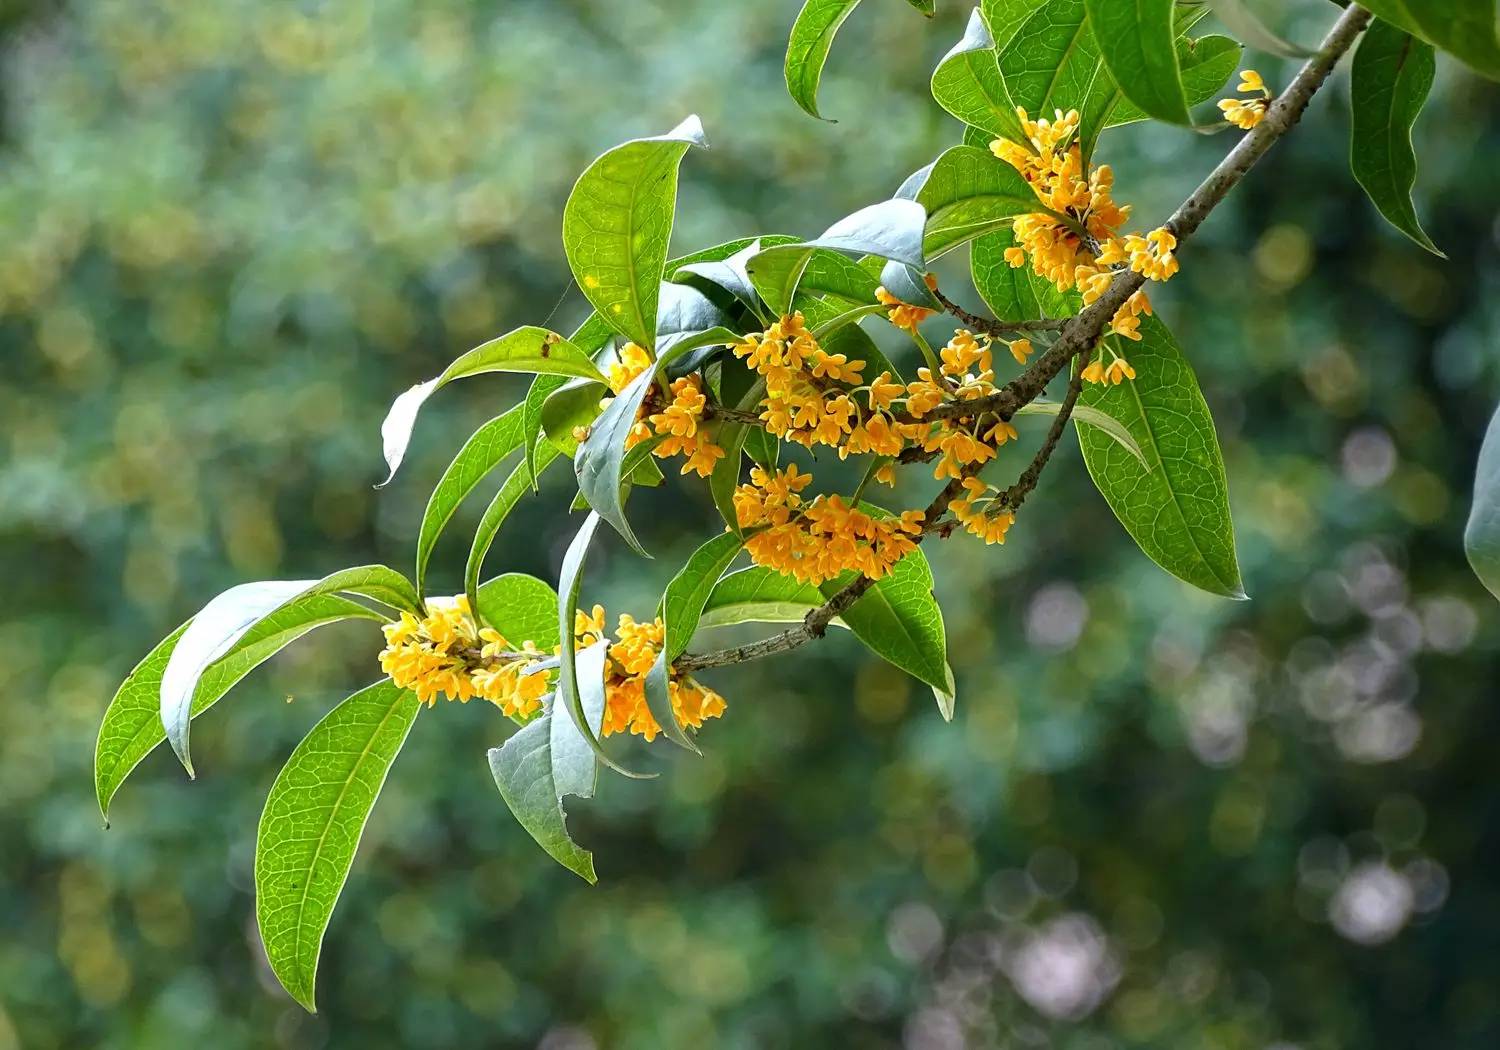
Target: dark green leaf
(616, 225)
(1178, 511)
(1482, 534)
(1137, 41)
(1393, 73)
(1466, 29)
(312, 824)
(542, 387)
(1014, 294)
(807, 49)
(1052, 62)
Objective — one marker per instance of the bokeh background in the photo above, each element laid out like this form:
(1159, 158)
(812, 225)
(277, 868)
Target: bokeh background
(233, 231)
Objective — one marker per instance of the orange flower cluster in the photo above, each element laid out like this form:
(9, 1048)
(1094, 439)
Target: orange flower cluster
(990, 526)
(1076, 243)
(905, 315)
(446, 654)
(817, 540)
(680, 423)
(631, 657)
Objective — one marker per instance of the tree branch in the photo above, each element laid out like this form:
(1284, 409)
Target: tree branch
(989, 326)
(1080, 334)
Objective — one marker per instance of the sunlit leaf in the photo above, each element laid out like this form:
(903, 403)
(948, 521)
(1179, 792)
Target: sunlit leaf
(529, 349)
(314, 818)
(223, 622)
(616, 225)
(521, 607)
(132, 727)
(1085, 414)
(1392, 75)
(480, 455)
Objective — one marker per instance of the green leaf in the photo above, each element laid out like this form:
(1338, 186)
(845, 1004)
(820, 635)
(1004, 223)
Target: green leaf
(1137, 41)
(729, 274)
(226, 620)
(1206, 64)
(521, 607)
(898, 619)
(688, 319)
(576, 404)
(569, 581)
(601, 460)
(510, 494)
(1052, 62)
(680, 608)
(1006, 17)
(1014, 294)
(542, 387)
(1466, 29)
(1392, 75)
(891, 230)
(1178, 511)
(481, 454)
(528, 349)
(967, 83)
(547, 760)
(312, 824)
(1083, 414)
(1243, 23)
(969, 193)
(132, 725)
(760, 595)
(807, 49)
(616, 225)
(1482, 534)
(927, 7)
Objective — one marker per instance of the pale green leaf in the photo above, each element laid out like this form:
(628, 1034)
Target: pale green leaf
(132, 726)
(314, 818)
(521, 607)
(223, 622)
(1178, 511)
(529, 349)
(1248, 28)
(1085, 414)
(1206, 63)
(890, 230)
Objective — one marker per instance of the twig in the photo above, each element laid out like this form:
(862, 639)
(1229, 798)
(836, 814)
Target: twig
(1012, 498)
(990, 326)
(1080, 334)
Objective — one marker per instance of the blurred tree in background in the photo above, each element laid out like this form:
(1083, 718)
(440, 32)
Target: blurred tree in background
(235, 231)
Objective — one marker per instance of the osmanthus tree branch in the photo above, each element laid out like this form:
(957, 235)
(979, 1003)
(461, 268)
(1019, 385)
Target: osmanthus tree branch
(1080, 333)
(990, 326)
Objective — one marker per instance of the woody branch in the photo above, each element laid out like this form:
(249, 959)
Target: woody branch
(1081, 333)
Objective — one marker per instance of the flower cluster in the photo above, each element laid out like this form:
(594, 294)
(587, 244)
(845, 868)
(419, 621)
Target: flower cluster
(817, 540)
(445, 654)
(679, 422)
(1076, 242)
(990, 524)
(905, 315)
(631, 657)
(1246, 113)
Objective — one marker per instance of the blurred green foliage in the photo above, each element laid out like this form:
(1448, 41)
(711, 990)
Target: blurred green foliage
(234, 231)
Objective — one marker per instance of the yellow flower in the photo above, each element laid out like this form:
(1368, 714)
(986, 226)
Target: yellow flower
(904, 315)
(1020, 349)
(445, 654)
(1250, 80)
(1243, 114)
